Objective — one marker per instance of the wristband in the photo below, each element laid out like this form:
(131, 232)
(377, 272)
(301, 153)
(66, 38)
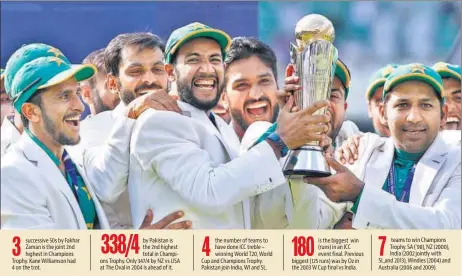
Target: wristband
(283, 149)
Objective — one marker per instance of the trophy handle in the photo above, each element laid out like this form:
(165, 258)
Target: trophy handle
(293, 55)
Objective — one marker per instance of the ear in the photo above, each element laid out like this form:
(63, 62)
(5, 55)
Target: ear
(225, 99)
(369, 110)
(170, 72)
(86, 93)
(32, 112)
(345, 106)
(383, 114)
(112, 83)
(444, 115)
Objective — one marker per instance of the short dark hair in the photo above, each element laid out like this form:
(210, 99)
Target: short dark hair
(37, 100)
(97, 59)
(246, 47)
(112, 53)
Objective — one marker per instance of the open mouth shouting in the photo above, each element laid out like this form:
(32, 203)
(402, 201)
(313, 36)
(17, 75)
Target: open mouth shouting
(257, 110)
(452, 123)
(73, 122)
(205, 84)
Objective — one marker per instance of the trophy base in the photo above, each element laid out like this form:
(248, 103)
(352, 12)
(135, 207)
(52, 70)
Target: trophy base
(306, 161)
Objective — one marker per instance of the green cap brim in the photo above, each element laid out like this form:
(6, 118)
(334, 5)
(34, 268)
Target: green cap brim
(221, 37)
(448, 73)
(80, 72)
(371, 89)
(414, 76)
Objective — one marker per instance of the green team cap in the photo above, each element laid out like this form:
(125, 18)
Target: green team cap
(194, 30)
(414, 71)
(44, 72)
(378, 79)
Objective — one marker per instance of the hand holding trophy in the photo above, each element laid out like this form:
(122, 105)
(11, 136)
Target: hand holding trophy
(314, 58)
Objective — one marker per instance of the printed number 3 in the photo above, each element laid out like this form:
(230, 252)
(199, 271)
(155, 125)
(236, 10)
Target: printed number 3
(17, 250)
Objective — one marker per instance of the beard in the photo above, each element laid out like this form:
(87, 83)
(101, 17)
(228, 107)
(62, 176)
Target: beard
(128, 96)
(98, 103)
(186, 94)
(238, 117)
(60, 137)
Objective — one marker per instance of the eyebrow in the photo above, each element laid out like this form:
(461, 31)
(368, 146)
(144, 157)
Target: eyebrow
(139, 64)
(192, 54)
(336, 90)
(264, 75)
(64, 92)
(455, 92)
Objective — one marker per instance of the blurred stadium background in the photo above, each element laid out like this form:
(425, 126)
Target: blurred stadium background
(368, 34)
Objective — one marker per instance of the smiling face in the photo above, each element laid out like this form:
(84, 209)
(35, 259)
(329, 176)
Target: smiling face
(57, 118)
(414, 115)
(140, 72)
(453, 99)
(251, 92)
(198, 71)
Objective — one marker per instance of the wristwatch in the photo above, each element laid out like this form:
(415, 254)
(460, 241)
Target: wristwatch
(283, 149)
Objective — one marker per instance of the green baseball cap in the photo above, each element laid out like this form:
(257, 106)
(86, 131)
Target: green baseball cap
(44, 72)
(414, 71)
(343, 73)
(378, 79)
(194, 30)
(447, 70)
(26, 54)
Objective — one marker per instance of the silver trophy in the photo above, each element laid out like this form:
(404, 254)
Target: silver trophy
(314, 58)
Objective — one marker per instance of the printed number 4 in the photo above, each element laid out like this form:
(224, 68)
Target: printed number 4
(206, 246)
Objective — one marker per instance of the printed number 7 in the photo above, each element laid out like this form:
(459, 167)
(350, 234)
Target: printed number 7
(384, 239)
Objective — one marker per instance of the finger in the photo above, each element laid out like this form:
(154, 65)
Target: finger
(347, 154)
(282, 97)
(335, 165)
(290, 70)
(291, 88)
(356, 139)
(169, 219)
(292, 80)
(147, 219)
(282, 94)
(170, 105)
(315, 106)
(289, 104)
(321, 181)
(314, 136)
(354, 150)
(321, 119)
(339, 156)
(174, 104)
(180, 225)
(327, 142)
(154, 105)
(295, 109)
(174, 97)
(318, 128)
